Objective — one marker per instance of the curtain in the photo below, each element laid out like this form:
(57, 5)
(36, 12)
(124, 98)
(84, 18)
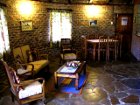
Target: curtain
(59, 25)
(4, 37)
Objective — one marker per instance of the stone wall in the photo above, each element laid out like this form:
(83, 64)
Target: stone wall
(39, 37)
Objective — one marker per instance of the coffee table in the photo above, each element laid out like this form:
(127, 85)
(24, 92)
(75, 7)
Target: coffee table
(66, 72)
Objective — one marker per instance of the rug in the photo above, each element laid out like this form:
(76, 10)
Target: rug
(68, 85)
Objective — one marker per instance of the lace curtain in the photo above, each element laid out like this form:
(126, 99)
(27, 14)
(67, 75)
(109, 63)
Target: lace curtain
(4, 37)
(60, 25)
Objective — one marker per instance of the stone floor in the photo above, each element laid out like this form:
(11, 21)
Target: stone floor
(105, 87)
(107, 84)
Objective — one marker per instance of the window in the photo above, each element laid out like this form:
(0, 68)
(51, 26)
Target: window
(4, 37)
(60, 25)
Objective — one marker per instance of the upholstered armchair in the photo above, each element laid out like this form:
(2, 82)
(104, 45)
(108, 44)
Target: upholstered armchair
(67, 52)
(29, 62)
(25, 91)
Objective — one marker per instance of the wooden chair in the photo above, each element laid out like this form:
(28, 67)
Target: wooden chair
(112, 48)
(24, 91)
(28, 60)
(86, 48)
(102, 47)
(67, 52)
(119, 38)
(83, 46)
(92, 49)
(95, 36)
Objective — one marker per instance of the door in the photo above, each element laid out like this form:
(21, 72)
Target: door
(124, 26)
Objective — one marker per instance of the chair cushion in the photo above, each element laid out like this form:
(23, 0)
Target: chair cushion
(32, 89)
(69, 56)
(21, 71)
(38, 65)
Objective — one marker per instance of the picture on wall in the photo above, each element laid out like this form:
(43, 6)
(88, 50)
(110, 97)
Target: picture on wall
(93, 23)
(124, 21)
(26, 25)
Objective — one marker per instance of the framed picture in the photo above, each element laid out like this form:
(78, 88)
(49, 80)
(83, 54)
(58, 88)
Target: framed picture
(124, 21)
(26, 25)
(93, 23)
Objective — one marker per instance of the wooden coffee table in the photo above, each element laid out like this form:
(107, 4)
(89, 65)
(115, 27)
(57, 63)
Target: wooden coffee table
(70, 74)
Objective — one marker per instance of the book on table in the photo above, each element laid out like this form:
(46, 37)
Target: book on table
(68, 69)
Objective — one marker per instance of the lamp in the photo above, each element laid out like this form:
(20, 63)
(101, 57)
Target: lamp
(92, 11)
(25, 8)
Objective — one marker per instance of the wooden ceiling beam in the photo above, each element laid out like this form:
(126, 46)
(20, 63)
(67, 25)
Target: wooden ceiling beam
(69, 1)
(2, 4)
(82, 3)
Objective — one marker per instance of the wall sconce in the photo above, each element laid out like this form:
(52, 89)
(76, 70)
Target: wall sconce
(92, 11)
(111, 23)
(25, 8)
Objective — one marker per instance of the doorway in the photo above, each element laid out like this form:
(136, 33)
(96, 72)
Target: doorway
(124, 26)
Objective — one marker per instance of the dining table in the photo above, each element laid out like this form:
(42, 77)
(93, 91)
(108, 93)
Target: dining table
(95, 43)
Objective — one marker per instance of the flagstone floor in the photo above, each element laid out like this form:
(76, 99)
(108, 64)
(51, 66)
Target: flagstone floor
(107, 84)
(106, 87)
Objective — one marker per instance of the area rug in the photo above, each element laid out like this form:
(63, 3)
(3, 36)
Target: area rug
(68, 85)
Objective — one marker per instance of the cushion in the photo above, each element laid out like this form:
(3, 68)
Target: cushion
(69, 56)
(21, 71)
(38, 65)
(32, 89)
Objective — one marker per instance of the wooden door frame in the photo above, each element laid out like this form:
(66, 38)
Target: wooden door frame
(126, 48)
(116, 16)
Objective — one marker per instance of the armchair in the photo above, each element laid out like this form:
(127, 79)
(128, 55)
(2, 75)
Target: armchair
(67, 52)
(29, 62)
(24, 91)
